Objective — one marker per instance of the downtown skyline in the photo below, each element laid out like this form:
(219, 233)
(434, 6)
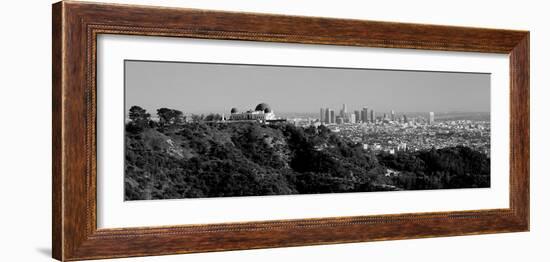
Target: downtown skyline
(365, 114)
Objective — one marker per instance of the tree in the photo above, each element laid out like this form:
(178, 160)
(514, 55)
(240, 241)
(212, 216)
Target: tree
(197, 118)
(169, 116)
(213, 117)
(139, 119)
(139, 115)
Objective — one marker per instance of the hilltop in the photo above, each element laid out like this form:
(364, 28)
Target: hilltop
(192, 160)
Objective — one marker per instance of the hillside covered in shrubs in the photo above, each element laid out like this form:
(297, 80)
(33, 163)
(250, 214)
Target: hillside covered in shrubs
(170, 160)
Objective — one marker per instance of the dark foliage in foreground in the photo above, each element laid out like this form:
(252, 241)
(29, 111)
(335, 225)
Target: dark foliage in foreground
(454, 167)
(243, 159)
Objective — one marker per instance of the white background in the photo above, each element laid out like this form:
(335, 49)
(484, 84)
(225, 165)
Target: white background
(25, 136)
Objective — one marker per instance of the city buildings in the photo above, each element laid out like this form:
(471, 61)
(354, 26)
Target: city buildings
(393, 132)
(393, 137)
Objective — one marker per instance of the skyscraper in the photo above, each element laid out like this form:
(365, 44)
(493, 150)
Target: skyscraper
(373, 116)
(392, 115)
(322, 115)
(332, 116)
(344, 111)
(431, 118)
(352, 118)
(357, 116)
(327, 115)
(365, 115)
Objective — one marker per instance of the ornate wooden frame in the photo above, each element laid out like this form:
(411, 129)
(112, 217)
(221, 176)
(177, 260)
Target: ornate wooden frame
(76, 26)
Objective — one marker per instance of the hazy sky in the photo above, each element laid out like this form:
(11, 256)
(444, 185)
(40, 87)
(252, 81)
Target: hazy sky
(205, 88)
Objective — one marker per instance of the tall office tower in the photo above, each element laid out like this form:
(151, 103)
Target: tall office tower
(365, 115)
(344, 111)
(352, 118)
(392, 115)
(332, 116)
(373, 116)
(357, 116)
(327, 115)
(339, 120)
(405, 120)
(431, 118)
(385, 116)
(322, 115)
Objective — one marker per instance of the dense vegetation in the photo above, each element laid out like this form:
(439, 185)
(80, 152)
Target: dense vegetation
(173, 159)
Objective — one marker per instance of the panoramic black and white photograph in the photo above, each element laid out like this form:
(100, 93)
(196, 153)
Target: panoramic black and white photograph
(204, 130)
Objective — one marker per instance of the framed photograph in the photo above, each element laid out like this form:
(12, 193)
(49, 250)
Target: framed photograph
(182, 130)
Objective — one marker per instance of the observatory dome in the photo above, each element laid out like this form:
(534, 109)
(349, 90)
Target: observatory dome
(263, 107)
